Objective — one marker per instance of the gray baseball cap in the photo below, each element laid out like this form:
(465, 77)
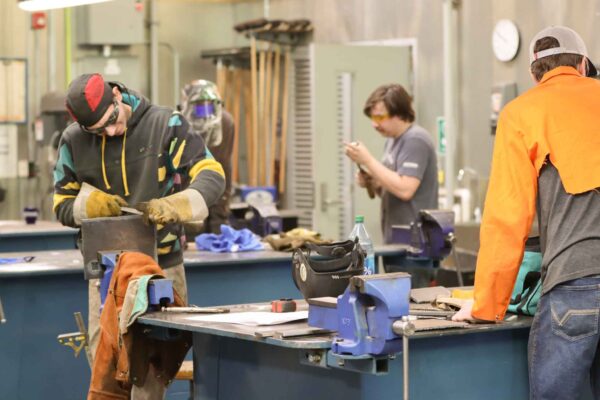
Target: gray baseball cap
(569, 43)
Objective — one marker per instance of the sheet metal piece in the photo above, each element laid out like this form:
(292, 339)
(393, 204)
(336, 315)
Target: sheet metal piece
(428, 294)
(421, 325)
(131, 211)
(124, 233)
(200, 310)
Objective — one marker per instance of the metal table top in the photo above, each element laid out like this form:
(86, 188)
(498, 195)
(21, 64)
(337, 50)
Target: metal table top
(70, 261)
(193, 256)
(46, 228)
(181, 321)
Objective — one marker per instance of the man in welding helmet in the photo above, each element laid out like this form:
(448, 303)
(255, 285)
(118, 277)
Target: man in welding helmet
(202, 106)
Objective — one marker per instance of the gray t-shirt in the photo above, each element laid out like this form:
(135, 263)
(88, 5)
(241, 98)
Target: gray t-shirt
(569, 230)
(411, 154)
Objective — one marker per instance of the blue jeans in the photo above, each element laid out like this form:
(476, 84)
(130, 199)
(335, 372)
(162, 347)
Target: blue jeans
(563, 342)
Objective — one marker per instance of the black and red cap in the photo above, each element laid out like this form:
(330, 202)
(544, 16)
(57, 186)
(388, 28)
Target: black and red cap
(88, 98)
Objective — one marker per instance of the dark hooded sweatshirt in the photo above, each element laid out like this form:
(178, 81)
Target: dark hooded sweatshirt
(158, 151)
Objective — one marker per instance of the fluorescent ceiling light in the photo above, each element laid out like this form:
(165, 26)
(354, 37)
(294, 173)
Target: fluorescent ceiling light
(42, 5)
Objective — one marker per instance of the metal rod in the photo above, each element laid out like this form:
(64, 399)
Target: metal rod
(451, 100)
(68, 47)
(457, 262)
(153, 53)
(2, 315)
(83, 330)
(405, 367)
(51, 52)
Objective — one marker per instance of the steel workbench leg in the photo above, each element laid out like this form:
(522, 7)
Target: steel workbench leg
(206, 367)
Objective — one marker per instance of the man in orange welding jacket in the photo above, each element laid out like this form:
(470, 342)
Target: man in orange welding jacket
(547, 157)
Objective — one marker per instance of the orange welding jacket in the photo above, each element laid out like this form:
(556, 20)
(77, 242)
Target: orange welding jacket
(558, 118)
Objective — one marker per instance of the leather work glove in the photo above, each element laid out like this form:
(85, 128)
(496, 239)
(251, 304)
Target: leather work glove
(101, 204)
(92, 202)
(185, 206)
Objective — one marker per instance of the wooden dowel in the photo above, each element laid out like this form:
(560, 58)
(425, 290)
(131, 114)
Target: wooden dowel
(274, 116)
(251, 155)
(221, 79)
(266, 117)
(237, 99)
(284, 121)
(261, 110)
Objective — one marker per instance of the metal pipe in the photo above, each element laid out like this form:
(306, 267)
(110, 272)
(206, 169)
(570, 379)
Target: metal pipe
(405, 367)
(68, 47)
(84, 332)
(451, 98)
(2, 315)
(153, 53)
(51, 52)
(176, 78)
(405, 328)
(35, 106)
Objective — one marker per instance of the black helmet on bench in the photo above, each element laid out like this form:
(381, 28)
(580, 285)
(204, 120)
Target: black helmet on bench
(328, 272)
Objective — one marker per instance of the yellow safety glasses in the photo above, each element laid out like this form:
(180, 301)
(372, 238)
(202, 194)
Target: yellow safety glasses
(379, 118)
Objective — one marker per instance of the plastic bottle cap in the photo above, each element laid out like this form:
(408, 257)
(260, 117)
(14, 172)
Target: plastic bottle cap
(359, 218)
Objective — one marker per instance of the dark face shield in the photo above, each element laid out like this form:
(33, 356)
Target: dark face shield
(204, 110)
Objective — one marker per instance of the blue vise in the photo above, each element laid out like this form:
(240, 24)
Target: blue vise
(365, 314)
(160, 291)
(429, 238)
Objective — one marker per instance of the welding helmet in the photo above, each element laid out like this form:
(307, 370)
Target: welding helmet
(325, 269)
(203, 108)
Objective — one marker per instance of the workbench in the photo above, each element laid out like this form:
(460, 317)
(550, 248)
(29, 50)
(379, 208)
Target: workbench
(43, 235)
(245, 362)
(41, 296)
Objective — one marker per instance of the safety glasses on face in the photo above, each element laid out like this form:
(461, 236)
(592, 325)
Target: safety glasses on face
(112, 119)
(379, 118)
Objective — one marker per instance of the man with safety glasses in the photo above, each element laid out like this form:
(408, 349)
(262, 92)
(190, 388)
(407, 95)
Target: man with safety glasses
(121, 150)
(406, 176)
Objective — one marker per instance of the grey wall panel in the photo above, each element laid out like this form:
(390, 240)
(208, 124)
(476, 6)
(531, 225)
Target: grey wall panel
(127, 25)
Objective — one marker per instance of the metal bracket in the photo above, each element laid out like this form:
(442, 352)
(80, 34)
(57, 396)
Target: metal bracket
(314, 358)
(75, 340)
(162, 333)
(365, 364)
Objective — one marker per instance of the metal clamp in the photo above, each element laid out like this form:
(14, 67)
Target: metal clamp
(77, 340)
(365, 364)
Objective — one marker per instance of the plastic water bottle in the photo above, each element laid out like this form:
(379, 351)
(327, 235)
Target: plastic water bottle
(360, 231)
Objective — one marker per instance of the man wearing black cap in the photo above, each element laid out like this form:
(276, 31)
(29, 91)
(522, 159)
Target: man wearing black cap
(546, 157)
(123, 150)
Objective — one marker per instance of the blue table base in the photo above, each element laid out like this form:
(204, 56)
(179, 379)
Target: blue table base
(491, 365)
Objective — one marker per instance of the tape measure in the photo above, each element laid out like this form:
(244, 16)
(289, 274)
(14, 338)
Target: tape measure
(283, 305)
